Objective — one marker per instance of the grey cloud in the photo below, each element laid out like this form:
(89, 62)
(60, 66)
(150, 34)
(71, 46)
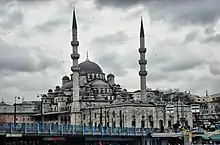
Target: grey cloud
(182, 65)
(31, 2)
(174, 77)
(179, 12)
(209, 30)
(112, 64)
(111, 39)
(119, 4)
(205, 82)
(191, 36)
(12, 19)
(212, 39)
(50, 25)
(134, 14)
(27, 85)
(20, 59)
(214, 68)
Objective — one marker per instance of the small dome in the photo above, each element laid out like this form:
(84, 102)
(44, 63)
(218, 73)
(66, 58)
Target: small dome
(50, 91)
(110, 75)
(57, 87)
(65, 78)
(90, 67)
(99, 84)
(44, 95)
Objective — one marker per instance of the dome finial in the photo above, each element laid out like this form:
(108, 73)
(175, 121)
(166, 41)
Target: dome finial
(87, 55)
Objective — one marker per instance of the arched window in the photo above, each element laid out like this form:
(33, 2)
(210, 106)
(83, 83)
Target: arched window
(151, 121)
(161, 125)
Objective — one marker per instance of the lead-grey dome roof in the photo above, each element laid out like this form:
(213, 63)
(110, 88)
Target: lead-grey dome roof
(90, 67)
(99, 84)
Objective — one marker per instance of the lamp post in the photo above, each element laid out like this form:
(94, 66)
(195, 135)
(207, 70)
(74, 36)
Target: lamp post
(15, 109)
(101, 116)
(90, 115)
(41, 108)
(105, 118)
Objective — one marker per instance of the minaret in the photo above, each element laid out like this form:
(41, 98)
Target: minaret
(142, 63)
(75, 106)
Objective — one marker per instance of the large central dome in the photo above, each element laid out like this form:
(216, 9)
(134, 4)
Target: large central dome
(90, 67)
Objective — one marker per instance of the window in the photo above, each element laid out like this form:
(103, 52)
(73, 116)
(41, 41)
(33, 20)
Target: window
(133, 123)
(142, 123)
(108, 114)
(113, 113)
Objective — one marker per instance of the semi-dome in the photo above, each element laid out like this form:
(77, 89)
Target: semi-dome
(90, 67)
(68, 85)
(99, 84)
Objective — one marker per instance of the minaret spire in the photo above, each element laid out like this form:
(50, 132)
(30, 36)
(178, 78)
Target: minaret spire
(142, 63)
(142, 28)
(206, 92)
(87, 55)
(74, 25)
(75, 106)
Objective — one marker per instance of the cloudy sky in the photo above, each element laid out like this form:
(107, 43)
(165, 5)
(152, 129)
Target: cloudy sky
(182, 38)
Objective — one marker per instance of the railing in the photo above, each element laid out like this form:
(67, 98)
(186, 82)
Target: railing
(61, 129)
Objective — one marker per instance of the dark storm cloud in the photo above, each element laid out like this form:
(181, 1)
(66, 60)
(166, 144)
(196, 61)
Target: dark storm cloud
(191, 36)
(20, 59)
(111, 39)
(176, 11)
(111, 63)
(213, 39)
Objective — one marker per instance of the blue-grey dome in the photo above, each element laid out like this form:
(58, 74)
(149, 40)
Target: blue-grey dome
(90, 67)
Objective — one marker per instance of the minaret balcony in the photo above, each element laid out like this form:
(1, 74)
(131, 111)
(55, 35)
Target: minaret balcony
(75, 43)
(143, 73)
(142, 50)
(142, 62)
(75, 69)
(75, 56)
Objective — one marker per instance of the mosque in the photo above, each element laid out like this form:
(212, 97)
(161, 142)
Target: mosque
(90, 97)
